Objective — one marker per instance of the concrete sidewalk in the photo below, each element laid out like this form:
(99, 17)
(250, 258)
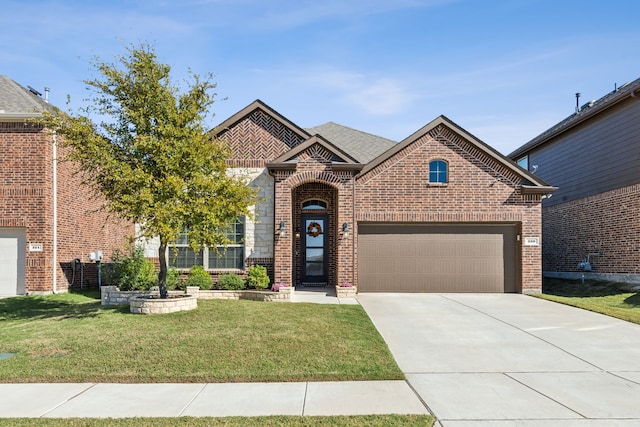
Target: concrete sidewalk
(214, 400)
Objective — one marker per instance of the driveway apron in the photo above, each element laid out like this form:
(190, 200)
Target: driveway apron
(512, 360)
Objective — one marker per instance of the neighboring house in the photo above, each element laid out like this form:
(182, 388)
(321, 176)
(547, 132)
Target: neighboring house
(592, 223)
(47, 218)
(438, 212)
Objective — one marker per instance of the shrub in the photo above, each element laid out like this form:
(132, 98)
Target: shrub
(132, 271)
(173, 280)
(199, 277)
(230, 282)
(257, 277)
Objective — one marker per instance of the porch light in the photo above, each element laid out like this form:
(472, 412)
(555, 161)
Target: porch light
(297, 232)
(345, 231)
(282, 230)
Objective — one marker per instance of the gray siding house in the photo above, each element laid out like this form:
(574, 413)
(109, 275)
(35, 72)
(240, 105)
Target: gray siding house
(591, 225)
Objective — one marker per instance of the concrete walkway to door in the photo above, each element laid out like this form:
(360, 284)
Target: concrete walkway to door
(512, 360)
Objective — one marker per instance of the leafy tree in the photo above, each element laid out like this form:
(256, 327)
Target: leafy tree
(150, 156)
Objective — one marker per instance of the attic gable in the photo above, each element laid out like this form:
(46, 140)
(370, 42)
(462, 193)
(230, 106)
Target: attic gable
(444, 130)
(319, 149)
(257, 134)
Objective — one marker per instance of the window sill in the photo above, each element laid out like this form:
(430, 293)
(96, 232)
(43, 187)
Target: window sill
(437, 184)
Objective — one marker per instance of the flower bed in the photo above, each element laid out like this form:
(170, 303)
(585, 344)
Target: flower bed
(111, 295)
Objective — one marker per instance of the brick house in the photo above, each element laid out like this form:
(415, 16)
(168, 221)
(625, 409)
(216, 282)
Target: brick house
(46, 214)
(437, 212)
(591, 225)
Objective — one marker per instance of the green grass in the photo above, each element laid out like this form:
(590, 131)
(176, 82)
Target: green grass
(279, 421)
(71, 338)
(601, 297)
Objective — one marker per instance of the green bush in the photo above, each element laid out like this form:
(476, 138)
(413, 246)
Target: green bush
(257, 277)
(173, 280)
(199, 277)
(131, 271)
(230, 282)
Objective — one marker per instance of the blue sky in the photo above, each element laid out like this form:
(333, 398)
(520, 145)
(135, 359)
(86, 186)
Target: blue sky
(505, 70)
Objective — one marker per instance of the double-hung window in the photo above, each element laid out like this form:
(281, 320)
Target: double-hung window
(231, 257)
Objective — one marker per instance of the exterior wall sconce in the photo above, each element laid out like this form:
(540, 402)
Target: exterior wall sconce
(282, 230)
(345, 231)
(297, 232)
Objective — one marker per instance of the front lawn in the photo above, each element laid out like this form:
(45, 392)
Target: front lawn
(71, 338)
(601, 297)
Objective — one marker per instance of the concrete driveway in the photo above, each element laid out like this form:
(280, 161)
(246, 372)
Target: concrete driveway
(512, 360)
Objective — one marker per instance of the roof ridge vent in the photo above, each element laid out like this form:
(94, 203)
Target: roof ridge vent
(588, 105)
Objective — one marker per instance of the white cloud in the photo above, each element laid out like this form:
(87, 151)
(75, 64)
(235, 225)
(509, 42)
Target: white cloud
(383, 96)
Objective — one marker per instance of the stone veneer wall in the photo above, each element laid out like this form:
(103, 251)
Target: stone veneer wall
(259, 232)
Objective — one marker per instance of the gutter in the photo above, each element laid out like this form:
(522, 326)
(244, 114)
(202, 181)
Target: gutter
(18, 117)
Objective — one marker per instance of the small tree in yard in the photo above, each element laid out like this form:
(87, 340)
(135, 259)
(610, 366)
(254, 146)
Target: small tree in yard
(150, 156)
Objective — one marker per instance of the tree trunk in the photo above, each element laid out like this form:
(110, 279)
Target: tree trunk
(162, 275)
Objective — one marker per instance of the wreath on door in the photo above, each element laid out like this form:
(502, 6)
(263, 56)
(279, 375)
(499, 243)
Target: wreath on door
(314, 229)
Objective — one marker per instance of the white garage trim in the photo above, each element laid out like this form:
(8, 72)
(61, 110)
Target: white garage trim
(12, 261)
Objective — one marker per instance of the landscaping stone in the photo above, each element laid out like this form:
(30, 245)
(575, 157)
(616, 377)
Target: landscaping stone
(346, 291)
(154, 305)
(111, 295)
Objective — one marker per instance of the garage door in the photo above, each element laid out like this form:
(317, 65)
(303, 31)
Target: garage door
(437, 258)
(11, 262)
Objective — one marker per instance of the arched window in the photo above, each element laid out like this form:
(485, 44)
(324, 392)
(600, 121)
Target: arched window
(314, 204)
(438, 173)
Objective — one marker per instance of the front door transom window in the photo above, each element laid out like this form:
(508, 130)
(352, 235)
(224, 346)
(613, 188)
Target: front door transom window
(314, 204)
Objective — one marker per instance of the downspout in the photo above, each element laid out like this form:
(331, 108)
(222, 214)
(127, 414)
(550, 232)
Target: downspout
(55, 214)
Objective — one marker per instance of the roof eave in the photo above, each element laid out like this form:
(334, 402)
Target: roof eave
(281, 165)
(535, 189)
(17, 117)
(526, 148)
(258, 104)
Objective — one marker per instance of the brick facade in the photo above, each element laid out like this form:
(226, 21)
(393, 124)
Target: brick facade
(26, 203)
(483, 188)
(479, 191)
(607, 224)
(257, 139)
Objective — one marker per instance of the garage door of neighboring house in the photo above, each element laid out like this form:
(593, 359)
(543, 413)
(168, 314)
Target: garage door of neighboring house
(12, 263)
(438, 258)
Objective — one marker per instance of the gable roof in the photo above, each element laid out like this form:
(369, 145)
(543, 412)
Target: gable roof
(18, 102)
(360, 145)
(586, 112)
(259, 105)
(289, 159)
(532, 183)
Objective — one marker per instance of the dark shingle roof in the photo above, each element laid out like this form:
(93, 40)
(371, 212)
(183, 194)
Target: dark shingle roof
(18, 100)
(360, 145)
(586, 111)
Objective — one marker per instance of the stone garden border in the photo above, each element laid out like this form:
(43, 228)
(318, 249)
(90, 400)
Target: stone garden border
(152, 304)
(111, 295)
